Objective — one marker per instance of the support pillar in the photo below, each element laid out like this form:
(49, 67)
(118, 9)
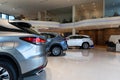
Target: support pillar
(73, 19)
(39, 16)
(73, 13)
(103, 8)
(73, 31)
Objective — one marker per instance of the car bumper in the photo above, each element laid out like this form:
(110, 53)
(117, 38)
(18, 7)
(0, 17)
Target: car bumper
(64, 45)
(91, 46)
(35, 71)
(35, 63)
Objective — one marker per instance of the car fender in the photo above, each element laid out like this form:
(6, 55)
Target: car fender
(9, 57)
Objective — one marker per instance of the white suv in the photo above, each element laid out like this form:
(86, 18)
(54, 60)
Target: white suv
(83, 41)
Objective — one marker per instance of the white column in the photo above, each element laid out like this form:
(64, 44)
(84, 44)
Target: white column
(39, 15)
(45, 15)
(103, 8)
(73, 13)
(73, 31)
(73, 19)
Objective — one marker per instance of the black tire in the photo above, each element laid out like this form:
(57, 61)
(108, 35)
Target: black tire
(56, 51)
(7, 71)
(85, 45)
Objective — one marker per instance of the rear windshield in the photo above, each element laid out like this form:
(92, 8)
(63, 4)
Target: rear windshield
(48, 35)
(2, 28)
(24, 27)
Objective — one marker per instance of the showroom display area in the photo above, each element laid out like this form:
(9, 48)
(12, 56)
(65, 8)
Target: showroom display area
(26, 52)
(98, 29)
(79, 64)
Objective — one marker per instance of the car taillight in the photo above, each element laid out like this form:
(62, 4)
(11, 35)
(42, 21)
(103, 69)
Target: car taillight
(35, 40)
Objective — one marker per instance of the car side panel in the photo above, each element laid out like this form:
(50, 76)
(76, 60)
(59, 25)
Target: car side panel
(71, 42)
(56, 41)
(79, 42)
(29, 56)
(74, 42)
(89, 41)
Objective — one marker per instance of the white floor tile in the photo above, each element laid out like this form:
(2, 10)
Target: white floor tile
(78, 64)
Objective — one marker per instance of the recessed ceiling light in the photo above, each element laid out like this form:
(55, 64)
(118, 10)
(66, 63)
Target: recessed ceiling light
(82, 5)
(13, 8)
(93, 3)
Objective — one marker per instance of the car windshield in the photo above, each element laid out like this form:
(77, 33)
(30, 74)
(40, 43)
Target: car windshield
(25, 27)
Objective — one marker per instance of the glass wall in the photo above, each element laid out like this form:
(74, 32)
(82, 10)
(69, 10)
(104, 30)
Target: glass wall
(11, 17)
(6, 16)
(112, 8)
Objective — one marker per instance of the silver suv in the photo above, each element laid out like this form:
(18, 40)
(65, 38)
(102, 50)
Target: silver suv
(22, 52)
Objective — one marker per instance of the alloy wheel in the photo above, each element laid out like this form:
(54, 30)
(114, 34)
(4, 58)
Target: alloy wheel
(4, 74)
(85, 45)
(56, 51)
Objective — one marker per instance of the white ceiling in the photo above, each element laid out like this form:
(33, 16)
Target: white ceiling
(32, 7)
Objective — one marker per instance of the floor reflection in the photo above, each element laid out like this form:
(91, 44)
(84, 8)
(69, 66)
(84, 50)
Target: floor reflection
(80, 64)
(41, 76)
(79, 55)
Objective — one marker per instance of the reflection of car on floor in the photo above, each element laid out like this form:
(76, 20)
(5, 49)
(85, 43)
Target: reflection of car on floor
(22, 52)
(56, 44)
(83, 41)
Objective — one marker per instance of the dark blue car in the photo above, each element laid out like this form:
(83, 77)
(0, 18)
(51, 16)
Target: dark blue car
(56, 44)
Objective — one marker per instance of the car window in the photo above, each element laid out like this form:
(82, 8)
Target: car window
(84, 37)
(119, 40)
(43, 35)
(73, 37)
(25, 27)
(51, 36)
(48, 35)
(81, 37)
(78, 37)
(2, 28)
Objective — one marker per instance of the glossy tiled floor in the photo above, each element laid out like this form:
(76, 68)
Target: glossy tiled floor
(78, 64)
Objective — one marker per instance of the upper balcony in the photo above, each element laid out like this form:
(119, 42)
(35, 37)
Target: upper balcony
(100, 23)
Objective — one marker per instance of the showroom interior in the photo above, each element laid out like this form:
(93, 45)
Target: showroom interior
(99, 19)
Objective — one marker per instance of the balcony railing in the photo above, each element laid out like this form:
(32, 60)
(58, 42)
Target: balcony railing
(84, 23)
(94, 22)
